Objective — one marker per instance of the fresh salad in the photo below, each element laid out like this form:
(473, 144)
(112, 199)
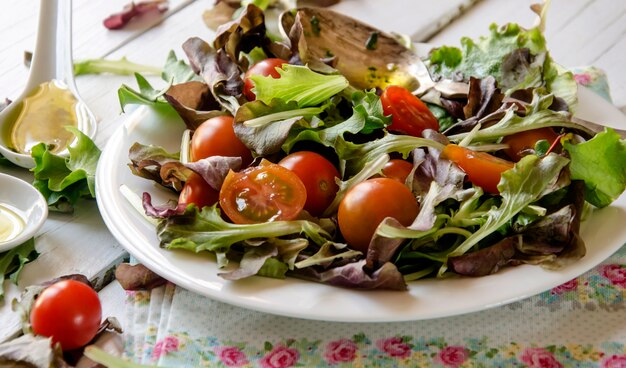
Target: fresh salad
(304, 157)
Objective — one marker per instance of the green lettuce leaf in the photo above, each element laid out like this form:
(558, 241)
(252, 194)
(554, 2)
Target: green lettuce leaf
(206, 230)
(519, 187)
(63, 181)
(367, 116)
(264, 128)
(601, 164)
(12, 262)
(501, 54)
(300, 84)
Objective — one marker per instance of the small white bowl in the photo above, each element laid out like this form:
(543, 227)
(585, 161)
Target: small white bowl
(26, 201)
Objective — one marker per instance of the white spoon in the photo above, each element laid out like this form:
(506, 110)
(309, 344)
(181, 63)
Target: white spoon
(52, 60)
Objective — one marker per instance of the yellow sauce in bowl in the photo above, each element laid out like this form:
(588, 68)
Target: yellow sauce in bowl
(11, 224)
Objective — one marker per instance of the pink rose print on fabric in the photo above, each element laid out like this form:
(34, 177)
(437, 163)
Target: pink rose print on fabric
(539, 358)
(340, 351)
(452, 356)
(582, 78)
(616, 274)
(614, 361)
(280, 357)
(571, 285)
(395, 347)
(165, 346)
(231, 356)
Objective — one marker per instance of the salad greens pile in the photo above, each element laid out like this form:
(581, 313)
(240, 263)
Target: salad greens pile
(514, 86)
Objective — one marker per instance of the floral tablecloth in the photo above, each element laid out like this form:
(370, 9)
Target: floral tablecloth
(581, 323)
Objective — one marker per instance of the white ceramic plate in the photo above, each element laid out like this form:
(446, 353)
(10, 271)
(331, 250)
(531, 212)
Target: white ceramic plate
(603, 233)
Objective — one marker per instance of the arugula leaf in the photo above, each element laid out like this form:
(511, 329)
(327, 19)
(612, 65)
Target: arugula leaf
(119, 67)
(519, 187)
(177, 71)
(61, 180)
(358, 155)
(147, 95)
(206, 230)
(599, 162)
(298, 83)
(12, 262)
(537, 116)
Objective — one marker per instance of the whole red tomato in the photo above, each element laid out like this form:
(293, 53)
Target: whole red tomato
(198, 192)
(264, 67)
(368, 203)
(318, 176)
(69, 312)
(409, 115)
(216, 137)
(397, 169)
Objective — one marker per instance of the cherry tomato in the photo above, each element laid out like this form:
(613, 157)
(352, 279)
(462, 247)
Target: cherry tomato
(262, 193)
(216, 137)
(482, 169)
(198, 192)
(368, 203)
(398, 170)
(69, 312)
(523, 141)
(318, 176)
(409, 115)
(264, 67)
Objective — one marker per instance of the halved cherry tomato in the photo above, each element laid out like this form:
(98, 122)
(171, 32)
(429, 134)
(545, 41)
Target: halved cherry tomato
(216, 137)
(524, 141)
(368, 203)
(198, 192)
(69, 312)
(262, 193)
(318, 175)
(482, 169)
(398, 170)
(264, 67)
(409, 114)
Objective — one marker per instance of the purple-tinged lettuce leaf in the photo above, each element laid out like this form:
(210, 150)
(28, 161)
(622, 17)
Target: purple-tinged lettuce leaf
(218, 70)
(353, 276)
(242, 34)
(487, 260)
(215, 168)
(147, 160)
(163, 211)
(194, 103)
(137, 277)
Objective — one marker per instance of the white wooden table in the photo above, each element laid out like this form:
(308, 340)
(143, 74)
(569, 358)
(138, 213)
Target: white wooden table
(579, 32)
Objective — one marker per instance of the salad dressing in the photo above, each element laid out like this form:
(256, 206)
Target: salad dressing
(43, 116)
(11, 224)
